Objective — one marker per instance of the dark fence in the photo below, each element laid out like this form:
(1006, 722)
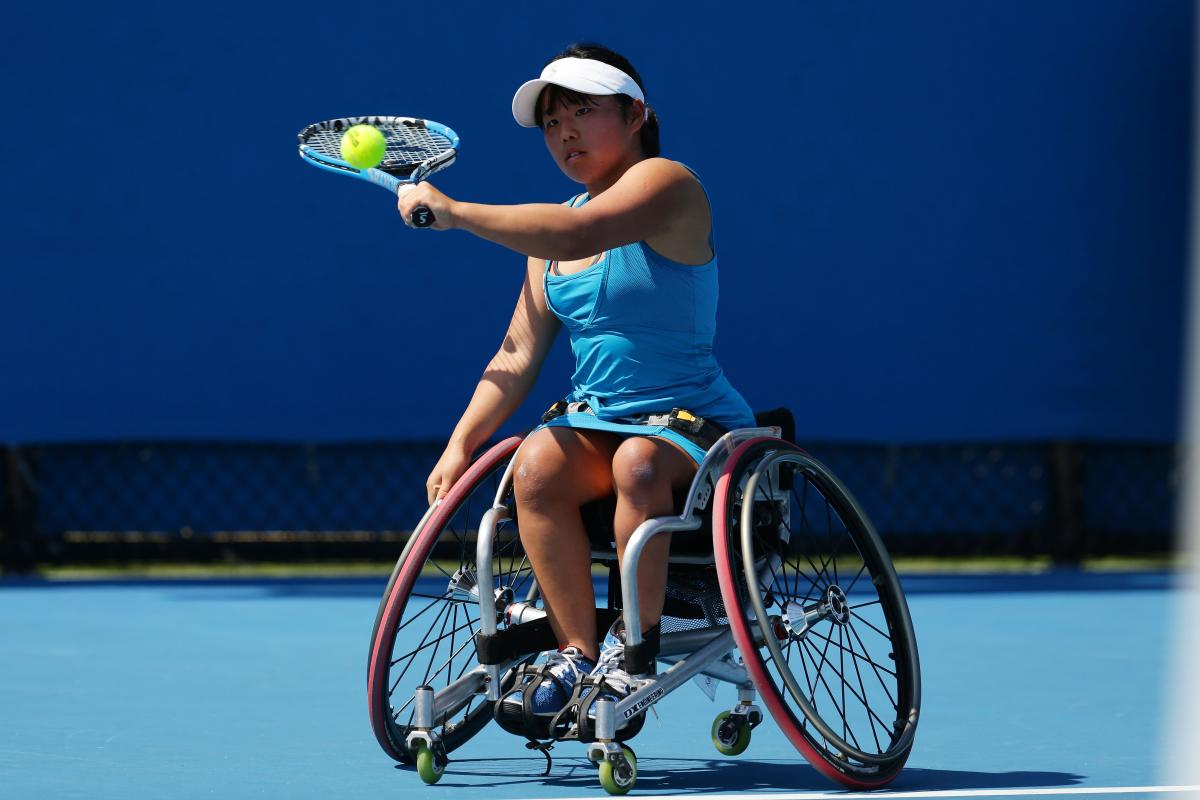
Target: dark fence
(238, 501)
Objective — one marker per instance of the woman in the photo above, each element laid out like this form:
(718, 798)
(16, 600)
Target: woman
(629, 268)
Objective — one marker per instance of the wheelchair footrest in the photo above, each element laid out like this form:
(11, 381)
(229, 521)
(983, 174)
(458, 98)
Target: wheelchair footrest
(521, 640)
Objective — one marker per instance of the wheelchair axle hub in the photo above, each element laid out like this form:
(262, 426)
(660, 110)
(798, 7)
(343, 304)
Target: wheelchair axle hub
(833, 606)
(464, 588)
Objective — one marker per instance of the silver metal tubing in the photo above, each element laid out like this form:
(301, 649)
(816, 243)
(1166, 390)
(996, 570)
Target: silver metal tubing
(483, 566)
(714, 461)
(698, 496)
(423, 707)
(629, 567)
(520, 613)
(682, 643)
(606, 721)
(502, 489)
(492, 673)
(722, 669)
(654, 689)
(452, 697)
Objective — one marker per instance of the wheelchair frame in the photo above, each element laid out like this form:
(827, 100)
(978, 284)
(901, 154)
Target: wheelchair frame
(710, 651)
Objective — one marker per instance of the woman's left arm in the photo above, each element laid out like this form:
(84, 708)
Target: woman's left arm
(651, 198)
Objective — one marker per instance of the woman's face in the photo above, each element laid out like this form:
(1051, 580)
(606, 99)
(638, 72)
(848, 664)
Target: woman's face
(588, 140)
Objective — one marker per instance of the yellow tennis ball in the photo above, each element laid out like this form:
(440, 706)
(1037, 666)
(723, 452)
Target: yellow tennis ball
(363, 146)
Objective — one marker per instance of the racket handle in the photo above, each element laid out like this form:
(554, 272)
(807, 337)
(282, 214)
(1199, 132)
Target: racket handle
(421, 217)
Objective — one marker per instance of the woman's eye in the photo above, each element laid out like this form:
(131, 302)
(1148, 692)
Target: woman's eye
(579, 112)
(550, 123)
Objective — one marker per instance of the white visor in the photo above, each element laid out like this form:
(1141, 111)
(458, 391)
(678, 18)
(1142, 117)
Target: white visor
(584, 75)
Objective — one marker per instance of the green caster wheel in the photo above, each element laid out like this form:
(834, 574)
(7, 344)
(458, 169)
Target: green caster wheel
(429, 767)
(730, 737)
(619, 778)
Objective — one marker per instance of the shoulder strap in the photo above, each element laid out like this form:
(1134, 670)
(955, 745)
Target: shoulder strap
(712, 222)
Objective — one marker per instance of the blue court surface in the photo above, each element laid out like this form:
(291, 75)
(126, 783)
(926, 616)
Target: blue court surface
(1034, 685)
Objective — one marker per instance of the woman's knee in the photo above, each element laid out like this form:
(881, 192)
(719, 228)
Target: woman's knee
(643, 471)
(556, 465)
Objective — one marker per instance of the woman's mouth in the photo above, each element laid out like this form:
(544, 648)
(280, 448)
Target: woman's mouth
(572, 155)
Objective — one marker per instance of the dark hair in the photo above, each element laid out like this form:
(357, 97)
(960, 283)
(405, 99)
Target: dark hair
(557, 95)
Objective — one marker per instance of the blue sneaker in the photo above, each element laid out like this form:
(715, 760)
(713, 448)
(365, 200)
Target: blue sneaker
(562, 670)
(614, 683)
(611, 665)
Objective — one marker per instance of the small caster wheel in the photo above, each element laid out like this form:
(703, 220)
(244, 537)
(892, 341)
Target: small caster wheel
(730, 735)
(429, 766)
(619, 777)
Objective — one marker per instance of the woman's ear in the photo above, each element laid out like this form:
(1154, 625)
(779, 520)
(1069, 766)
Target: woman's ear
(637, 114)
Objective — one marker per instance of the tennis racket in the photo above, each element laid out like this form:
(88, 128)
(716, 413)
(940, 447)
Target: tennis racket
(416, 148)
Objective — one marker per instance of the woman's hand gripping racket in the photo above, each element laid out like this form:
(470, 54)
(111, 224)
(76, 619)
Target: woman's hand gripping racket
(416, 148)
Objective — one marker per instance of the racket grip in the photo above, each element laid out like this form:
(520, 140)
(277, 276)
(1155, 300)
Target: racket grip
(421, 217)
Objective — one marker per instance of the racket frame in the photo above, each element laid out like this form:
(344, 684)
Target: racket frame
(380, 177)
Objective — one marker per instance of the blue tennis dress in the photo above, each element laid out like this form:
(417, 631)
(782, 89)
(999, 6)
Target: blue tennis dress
(641, 329)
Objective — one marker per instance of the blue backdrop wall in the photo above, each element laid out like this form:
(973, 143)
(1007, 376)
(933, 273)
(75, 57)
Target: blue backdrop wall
(936, 221)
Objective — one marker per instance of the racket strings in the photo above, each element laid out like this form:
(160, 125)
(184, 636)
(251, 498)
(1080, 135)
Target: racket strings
(408, 145)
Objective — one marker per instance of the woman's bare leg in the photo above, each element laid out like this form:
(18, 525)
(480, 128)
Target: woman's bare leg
(645, 472)
(557, 471)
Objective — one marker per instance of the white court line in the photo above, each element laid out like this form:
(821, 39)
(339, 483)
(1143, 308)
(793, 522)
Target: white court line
(883, 793)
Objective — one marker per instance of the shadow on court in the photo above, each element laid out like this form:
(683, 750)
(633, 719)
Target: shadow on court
(703, 776)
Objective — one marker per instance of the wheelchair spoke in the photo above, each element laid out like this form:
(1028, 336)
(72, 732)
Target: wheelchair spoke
(842, 710)
(821, 571)
(829, 531)
(425, 638)
(447, 666)
(842, 662)
(397, 712)
(426, 645)
(410, 658)
(791, 533)
(861, 699)
(444, 597)
(832, 698)
(867, 622)
(861, 569)
(862, 686)
(854, 653)
(437, 645)
(453, 652)
(413, 618)
(438, 567)
(876, 668)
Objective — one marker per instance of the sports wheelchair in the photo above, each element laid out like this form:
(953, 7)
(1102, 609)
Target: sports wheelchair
(777, 584)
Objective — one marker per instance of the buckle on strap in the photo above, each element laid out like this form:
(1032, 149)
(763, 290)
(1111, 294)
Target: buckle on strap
(697, 429)
(563, 407)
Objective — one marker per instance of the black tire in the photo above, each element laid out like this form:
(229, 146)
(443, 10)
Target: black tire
(818, 613)
(446, 618)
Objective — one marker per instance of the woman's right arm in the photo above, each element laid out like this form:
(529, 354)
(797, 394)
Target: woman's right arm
(505, 383)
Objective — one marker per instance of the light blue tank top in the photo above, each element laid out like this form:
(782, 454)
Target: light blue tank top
(641, 329)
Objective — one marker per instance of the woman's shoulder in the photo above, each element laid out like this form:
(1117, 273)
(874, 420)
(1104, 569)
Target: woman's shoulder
(664, 168)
